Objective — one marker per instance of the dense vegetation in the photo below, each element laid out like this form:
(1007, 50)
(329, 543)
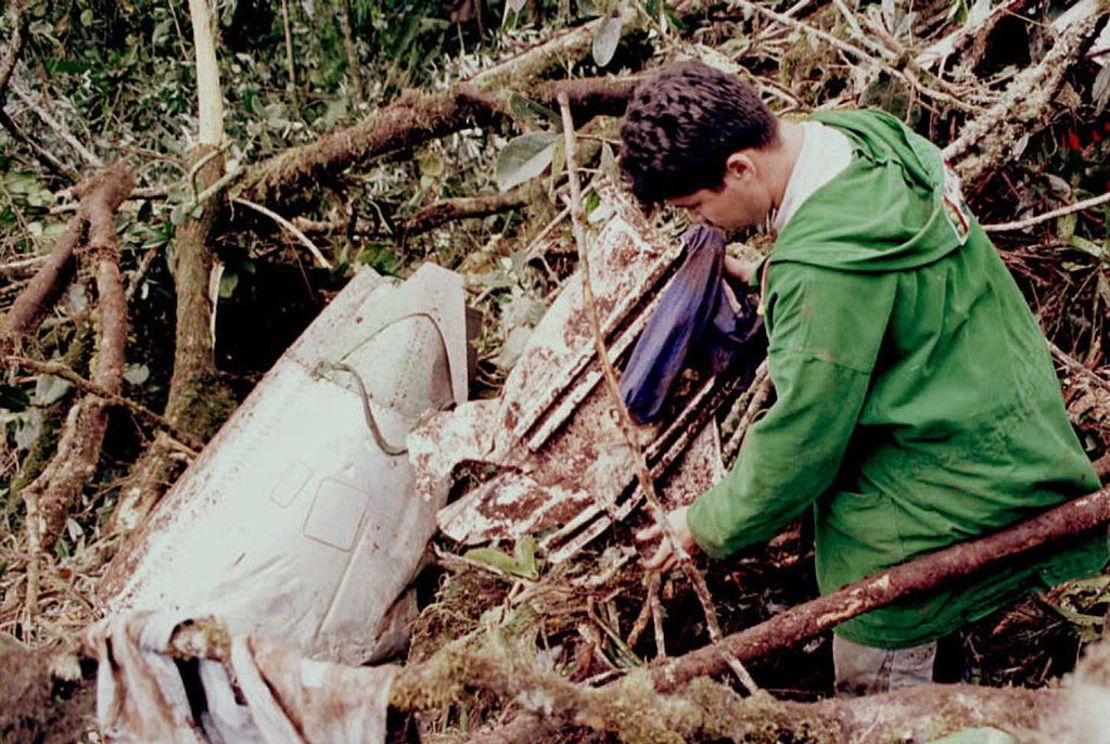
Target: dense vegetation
(388, 134)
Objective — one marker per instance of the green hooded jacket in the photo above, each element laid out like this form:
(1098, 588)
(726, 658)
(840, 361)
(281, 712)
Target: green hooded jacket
(917, 404)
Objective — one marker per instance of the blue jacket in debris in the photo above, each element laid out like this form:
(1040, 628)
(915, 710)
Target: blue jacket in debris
(694, 323)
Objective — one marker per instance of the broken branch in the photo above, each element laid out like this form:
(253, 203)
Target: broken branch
(45, 287)
(1079, 206)
(48, 498)
(289, 226)
(807, 620)
(989, 139)
(448, 210)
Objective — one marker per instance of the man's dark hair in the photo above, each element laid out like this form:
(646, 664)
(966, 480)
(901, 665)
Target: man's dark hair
(680, 127)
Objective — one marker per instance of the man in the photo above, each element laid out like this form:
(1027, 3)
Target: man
(916, 402)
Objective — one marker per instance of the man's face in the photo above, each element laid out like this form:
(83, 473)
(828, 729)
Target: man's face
(741, 201)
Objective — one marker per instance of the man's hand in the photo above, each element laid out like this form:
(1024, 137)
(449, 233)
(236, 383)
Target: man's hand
(665, 557)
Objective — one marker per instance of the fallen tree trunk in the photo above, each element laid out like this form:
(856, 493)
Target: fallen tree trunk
(642, 703)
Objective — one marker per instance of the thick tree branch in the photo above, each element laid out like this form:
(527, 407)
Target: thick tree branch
(807, 620)
(44, 289)
(11, 56)
(49, 497)
(989, 139)
(448, 210)
(411, 121)
(197, 401)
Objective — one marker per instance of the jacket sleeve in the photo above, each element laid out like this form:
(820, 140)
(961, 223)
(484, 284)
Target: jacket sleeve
(827, 327)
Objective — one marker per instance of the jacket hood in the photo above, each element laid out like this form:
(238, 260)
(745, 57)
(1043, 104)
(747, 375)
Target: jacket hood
(886, 211)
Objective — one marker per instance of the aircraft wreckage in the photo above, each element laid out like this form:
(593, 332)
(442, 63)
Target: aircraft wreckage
(306, 518)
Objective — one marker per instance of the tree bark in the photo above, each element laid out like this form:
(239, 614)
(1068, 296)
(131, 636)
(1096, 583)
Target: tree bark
(197, 402)
(44, 289)
(989, 140)
(50, 496)
(11, 56)
(346, 28)
(807, 620)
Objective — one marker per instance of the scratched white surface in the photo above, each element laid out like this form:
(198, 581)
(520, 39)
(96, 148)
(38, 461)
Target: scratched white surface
(293, 522)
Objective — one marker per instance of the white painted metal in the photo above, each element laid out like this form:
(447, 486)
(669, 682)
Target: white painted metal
(293, 522)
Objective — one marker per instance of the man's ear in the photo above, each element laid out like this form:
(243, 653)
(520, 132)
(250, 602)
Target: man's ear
(740, 166)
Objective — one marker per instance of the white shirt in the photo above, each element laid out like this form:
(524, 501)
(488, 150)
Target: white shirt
(825, 153)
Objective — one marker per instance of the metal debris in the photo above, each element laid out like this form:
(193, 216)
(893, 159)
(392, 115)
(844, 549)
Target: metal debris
(560, 465)
(293, 521)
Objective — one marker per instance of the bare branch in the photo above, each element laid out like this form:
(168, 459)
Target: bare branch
(44, 156)
(148, 416)
(1079, 206)
(647, 484)
(290, 227)
(448, 210)
(86, 154)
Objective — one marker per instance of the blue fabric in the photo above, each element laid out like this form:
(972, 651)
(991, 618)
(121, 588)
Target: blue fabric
(694, 324)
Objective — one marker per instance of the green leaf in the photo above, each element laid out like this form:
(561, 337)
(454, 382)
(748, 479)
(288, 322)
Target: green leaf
(1089, 247)
(1100, 90)
(1104, 288)
(521, 563)
(49, 389)
(229, 280)
(524, 158)
(609, 164)
(1065, 225)
(430, 163)
(606, 40)
(136, 374)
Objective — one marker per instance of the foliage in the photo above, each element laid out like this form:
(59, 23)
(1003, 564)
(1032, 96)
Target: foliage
(119, 78)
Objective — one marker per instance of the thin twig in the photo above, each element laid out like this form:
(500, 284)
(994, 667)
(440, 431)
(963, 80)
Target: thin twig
(137, 278)
(1075, 366)
(863, 55)
(625, 420)
(148, 416)
(853, 26)
(654, 582)
(88, 155)
(1079, 206)
(44, 156)
(300, 236)
(639, 625)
